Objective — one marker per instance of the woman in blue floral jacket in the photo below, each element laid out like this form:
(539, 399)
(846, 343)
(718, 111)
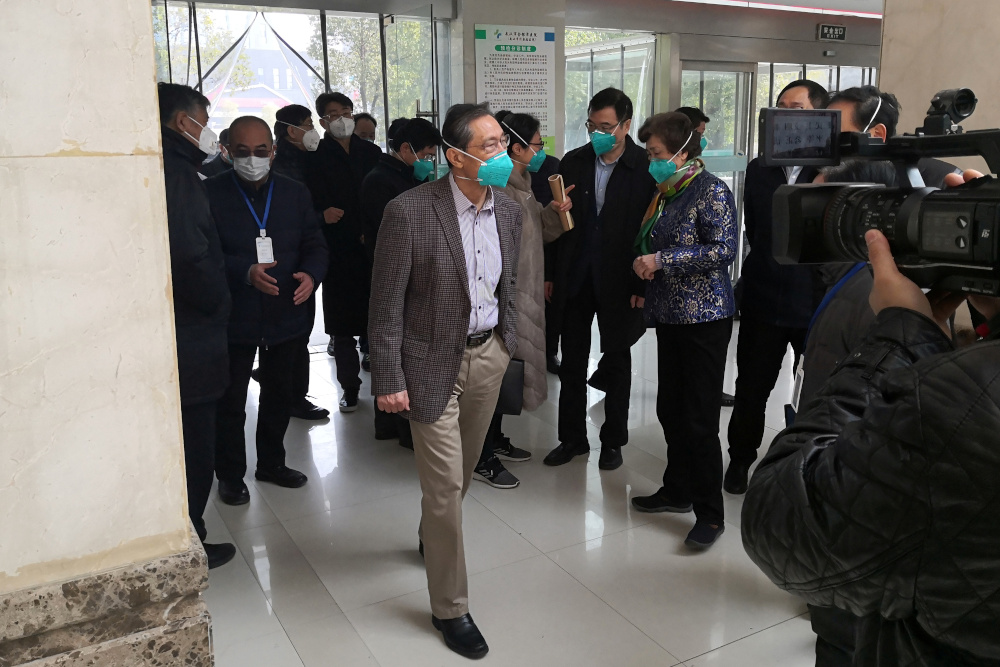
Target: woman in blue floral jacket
(684, 250)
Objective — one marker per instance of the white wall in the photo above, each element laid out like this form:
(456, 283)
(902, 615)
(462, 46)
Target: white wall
(91, 463)
(929, 46)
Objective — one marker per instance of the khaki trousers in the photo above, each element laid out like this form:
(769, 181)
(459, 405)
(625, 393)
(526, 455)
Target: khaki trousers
(446, 453)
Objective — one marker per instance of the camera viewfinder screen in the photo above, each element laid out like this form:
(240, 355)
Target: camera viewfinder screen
(803, 134)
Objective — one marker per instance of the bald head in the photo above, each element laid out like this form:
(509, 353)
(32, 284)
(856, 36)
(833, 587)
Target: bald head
(250, 131)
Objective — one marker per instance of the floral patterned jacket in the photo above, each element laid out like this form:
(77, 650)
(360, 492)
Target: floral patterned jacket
(695, 239)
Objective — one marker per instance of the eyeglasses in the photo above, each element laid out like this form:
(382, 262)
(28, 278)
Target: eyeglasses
(606, 128)
(246, 152)
(334, 116)
(493, 146)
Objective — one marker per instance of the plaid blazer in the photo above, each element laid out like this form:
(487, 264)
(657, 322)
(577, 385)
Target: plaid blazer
(420, 305)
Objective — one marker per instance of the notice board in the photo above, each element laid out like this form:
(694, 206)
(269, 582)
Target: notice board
(516, 70)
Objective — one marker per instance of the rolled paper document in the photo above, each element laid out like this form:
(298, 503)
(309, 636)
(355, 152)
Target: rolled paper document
(559, 194)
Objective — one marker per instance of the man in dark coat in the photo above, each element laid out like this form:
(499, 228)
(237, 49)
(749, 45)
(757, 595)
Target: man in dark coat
(336, 172)
(882, 499)
(275, 255)
(777, 300)
(612, 188)
(201, 297)
(295, 138)
(543, 193)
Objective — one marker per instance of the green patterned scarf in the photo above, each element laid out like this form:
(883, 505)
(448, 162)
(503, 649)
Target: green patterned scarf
(668, 191)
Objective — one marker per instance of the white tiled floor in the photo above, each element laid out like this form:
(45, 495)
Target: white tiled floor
(562, 570)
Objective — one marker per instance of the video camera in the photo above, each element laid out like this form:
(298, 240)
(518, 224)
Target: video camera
(939, 238)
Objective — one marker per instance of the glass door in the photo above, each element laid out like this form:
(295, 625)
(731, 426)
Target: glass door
(725, 93)
(410, 66)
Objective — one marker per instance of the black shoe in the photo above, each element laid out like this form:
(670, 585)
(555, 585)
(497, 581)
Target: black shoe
(309, 411)
(611, 458)
(493, 473)
(728, 400)
(659, 503)
(735, 481)
(255, 375)
(552, 364)
(234, 493)
(599, 380)
(366, 362)
(704, 535)
(462, 636)
(219, 554)
(349, 401)
(282, 476)
(565, 452)
(506, 451)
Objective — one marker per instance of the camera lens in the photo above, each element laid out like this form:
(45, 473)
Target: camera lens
(964, 104)
(856, 209)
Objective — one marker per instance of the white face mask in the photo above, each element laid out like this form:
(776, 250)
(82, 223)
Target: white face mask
(310, 138)
(341, 128)
(252, 168)
(208, 142)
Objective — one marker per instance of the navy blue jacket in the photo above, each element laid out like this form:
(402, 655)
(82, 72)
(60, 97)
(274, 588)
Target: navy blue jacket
(293, 226)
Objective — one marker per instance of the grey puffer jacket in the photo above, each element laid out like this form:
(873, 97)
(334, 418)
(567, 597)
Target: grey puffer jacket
(883, 499)
(540, 225)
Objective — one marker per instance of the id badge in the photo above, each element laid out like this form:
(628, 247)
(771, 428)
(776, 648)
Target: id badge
(265, 253)
(800, 376)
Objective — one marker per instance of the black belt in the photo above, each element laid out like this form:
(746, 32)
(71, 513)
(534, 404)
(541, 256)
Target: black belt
(477, 339)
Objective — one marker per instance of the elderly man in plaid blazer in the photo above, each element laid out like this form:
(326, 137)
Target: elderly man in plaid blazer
(441, 331)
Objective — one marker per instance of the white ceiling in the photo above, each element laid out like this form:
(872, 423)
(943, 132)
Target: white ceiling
(862, 7)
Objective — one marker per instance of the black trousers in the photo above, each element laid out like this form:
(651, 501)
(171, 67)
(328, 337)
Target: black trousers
(691, 369)
(277, 395)
(759, 352)
(198, 424)
(835, 636)
(576, 333)
(345, 353)
(551, 331)
(300, 373)
(491, 439)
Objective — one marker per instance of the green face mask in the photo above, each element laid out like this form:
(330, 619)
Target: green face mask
(603, 141)
(423, 168)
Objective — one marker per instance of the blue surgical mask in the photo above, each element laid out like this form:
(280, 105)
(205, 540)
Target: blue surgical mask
(661, 170)
(495, 171)
(423, 168)
(603, 141)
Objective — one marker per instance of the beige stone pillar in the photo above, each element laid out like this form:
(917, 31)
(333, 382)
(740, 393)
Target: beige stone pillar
(930, 45)
(93, 517)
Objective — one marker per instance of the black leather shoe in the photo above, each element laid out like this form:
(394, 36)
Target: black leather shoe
(552, 365)
(611, 458)
(282, 476)
(309, 411)
(704, 535)
(659, 503)
(565, 452)
(728, 400)
(462, 636)
(736, 481)
(219, 554)
(234, 493)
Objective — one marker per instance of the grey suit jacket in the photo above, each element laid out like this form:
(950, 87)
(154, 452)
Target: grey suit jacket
(420, 305)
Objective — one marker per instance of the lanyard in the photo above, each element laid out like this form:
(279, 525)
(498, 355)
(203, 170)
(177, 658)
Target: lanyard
(829, 296)
(267, 207)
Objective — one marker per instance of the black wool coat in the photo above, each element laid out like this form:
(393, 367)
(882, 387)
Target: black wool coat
(201, 293)
(389, 179)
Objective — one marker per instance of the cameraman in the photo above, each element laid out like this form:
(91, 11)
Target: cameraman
(868, 110)
(882, 498)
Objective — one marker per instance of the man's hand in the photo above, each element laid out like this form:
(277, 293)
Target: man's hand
(637, 301)
(894, 290)
(645, 266)
(333, 215)
(394, 402)
(262, 281)
(549, 285)
(305, 288)
(566, 204)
